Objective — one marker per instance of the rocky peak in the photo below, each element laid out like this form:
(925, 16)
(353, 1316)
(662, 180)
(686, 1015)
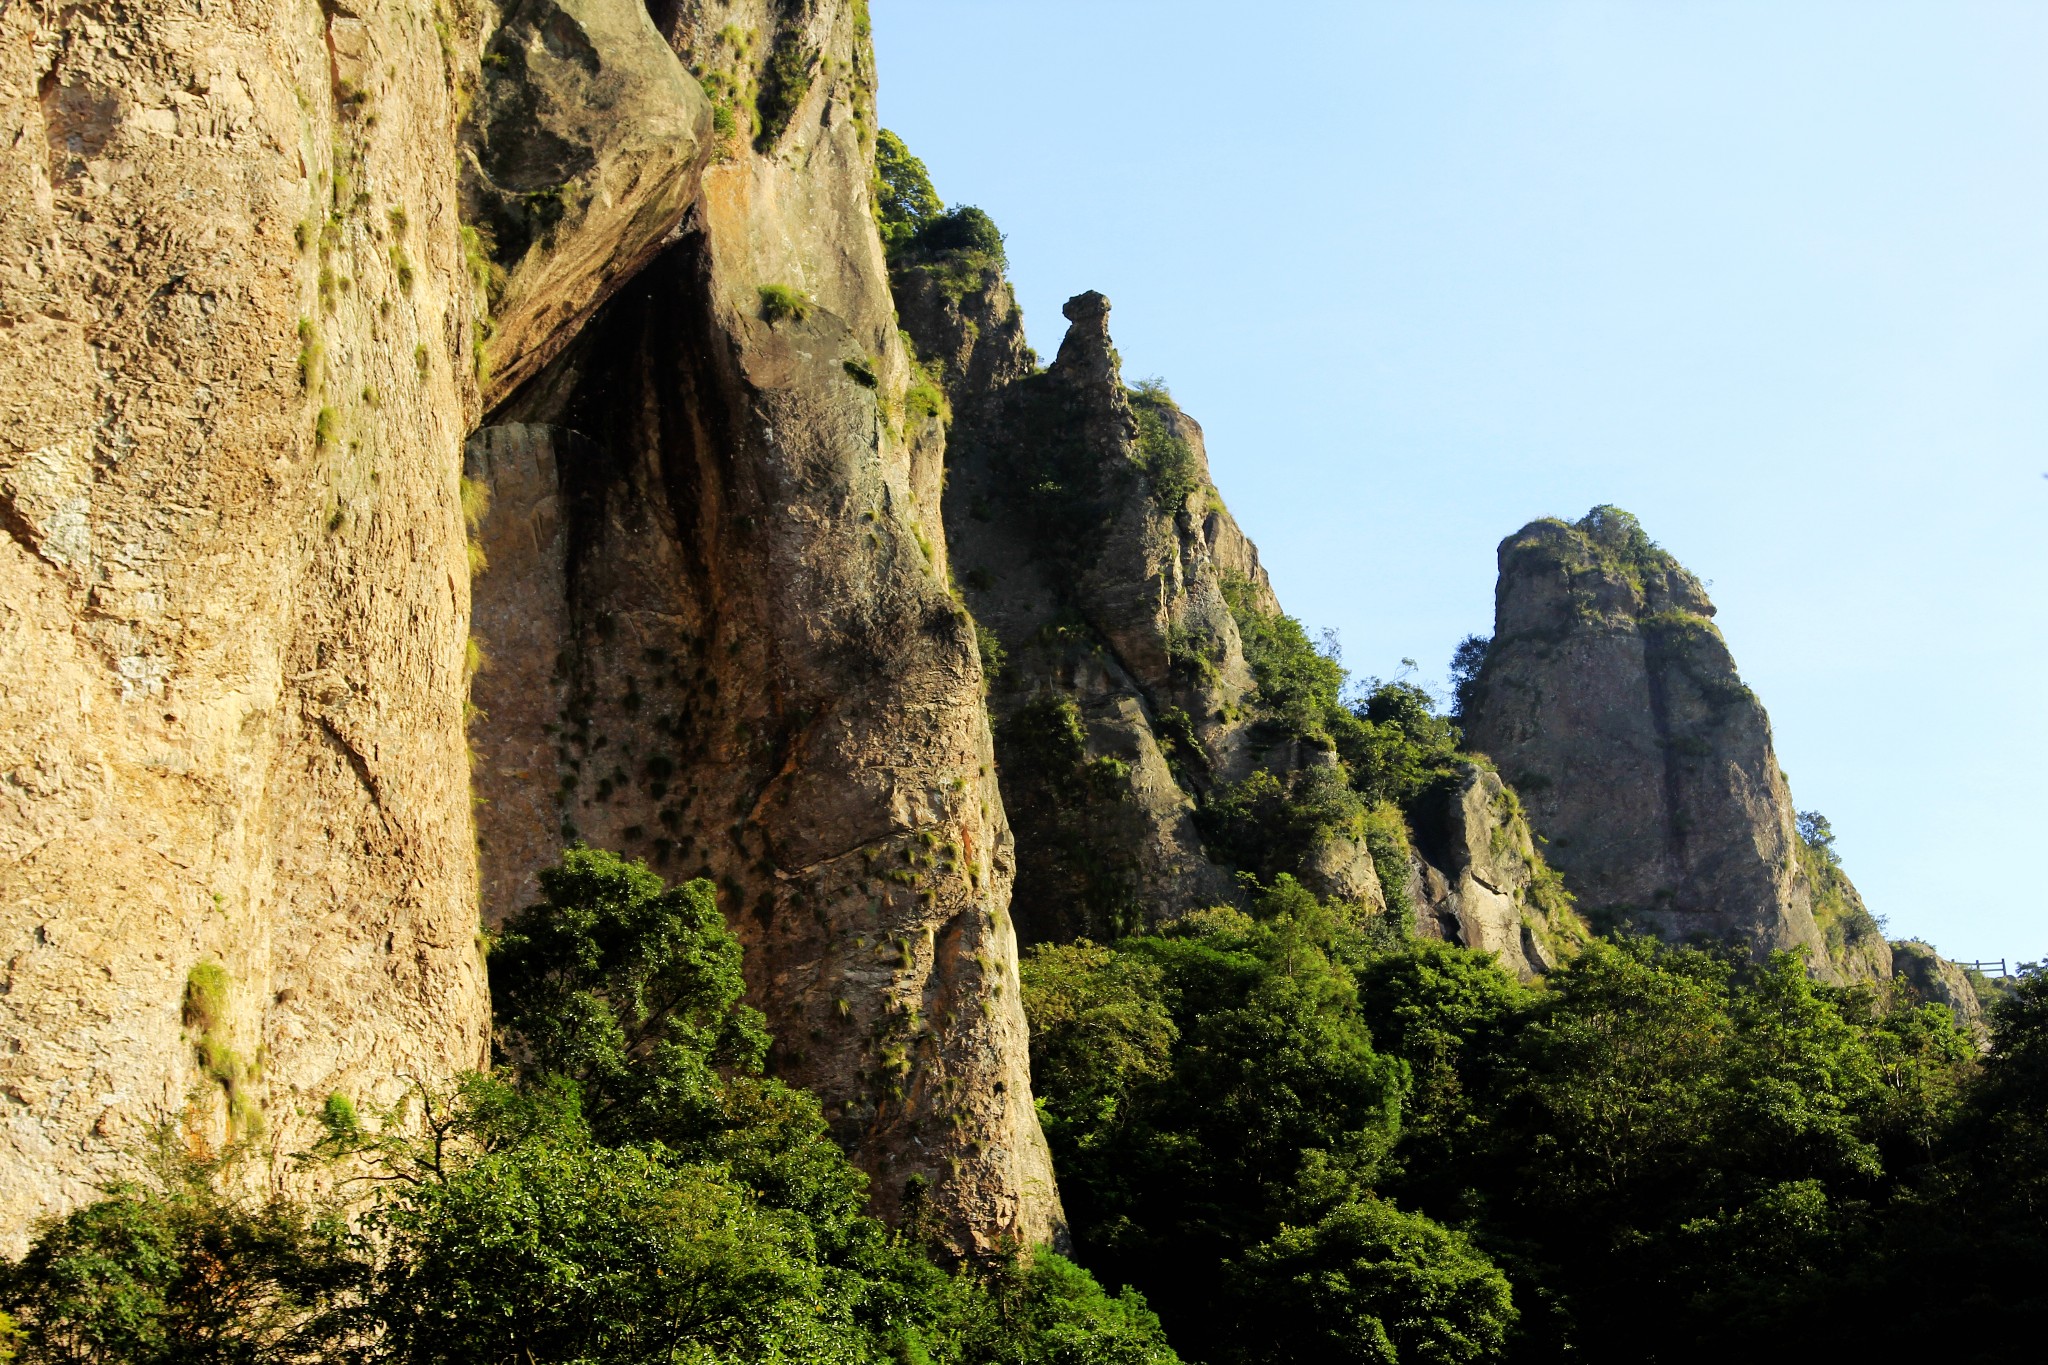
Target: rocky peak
(1612, 704)
(1086, 358)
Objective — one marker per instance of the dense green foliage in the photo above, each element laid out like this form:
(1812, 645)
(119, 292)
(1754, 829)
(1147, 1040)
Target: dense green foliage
(1393, 751)
(627, 1186)
(176, 1267)
(1221, 1118)
(904, 199)
(1669, 1155)
(915, 224)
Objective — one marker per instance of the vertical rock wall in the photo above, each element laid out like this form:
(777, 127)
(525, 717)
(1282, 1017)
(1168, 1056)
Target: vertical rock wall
(1095, 591)
(1613, 707)
(761, 676)
(236, 368)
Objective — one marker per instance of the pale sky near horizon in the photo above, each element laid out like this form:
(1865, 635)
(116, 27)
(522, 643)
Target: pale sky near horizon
(1772, 276)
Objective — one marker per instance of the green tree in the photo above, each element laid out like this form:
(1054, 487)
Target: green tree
(1370, 1284)
(904, 200)
(632, 991)
(1219, 1153)
(181, 1266)
(547, 1251)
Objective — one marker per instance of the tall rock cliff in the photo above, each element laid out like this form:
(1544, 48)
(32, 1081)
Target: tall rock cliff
(1612, 705)
(262, 272)
(719, 633)
(237, 366)
(1144, 760)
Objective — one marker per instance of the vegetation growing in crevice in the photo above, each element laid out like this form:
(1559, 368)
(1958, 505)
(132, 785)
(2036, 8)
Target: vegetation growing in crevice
(1270, 824)
(1300, 689)
(1844, 921)
(785, 79)
(780, 303)
(205, 1016)
(1167, 460)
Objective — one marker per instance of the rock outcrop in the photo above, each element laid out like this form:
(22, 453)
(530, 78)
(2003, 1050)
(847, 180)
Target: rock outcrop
(1936, 980)
(261, 273)
(1098, 576)
(580, 154)
(714, 564)
(1612, 705)
(236, 370)
(1109, 583)
(1484, 885)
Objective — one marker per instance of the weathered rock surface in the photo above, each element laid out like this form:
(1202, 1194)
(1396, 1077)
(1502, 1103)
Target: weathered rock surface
(581, 154)
(233, 595)
(1612, 705)
(1935, 979)
(711, 533)
(245, 335)
(1484, 885)
(1102, 588)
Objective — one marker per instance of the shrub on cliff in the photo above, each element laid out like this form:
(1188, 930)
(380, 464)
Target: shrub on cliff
(1300, 687)
(904, 200)
(1167, 460)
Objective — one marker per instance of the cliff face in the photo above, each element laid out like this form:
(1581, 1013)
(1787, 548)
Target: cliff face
(263, 273)
(1110, 583)
(236, 364)
(718, 583)
(1612, 705)
(1097, 573)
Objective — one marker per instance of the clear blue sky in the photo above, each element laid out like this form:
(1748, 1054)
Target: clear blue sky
(1773, 276)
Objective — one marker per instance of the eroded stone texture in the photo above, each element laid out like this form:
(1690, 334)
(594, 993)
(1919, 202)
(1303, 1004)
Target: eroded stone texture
(524, 634)
(580, 155)
(1483, 883)
(765, 680)
(1101, 594)
(232, 589)
(1612, 705)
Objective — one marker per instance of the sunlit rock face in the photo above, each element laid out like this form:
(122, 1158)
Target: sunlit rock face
(289, 296)
(1613, 707)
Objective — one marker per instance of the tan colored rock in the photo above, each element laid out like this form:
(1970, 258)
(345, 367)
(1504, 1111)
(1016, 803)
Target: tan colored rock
(581, 154)
(240, 326)
(1613, 707)
(233, 598)
(762, 677)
